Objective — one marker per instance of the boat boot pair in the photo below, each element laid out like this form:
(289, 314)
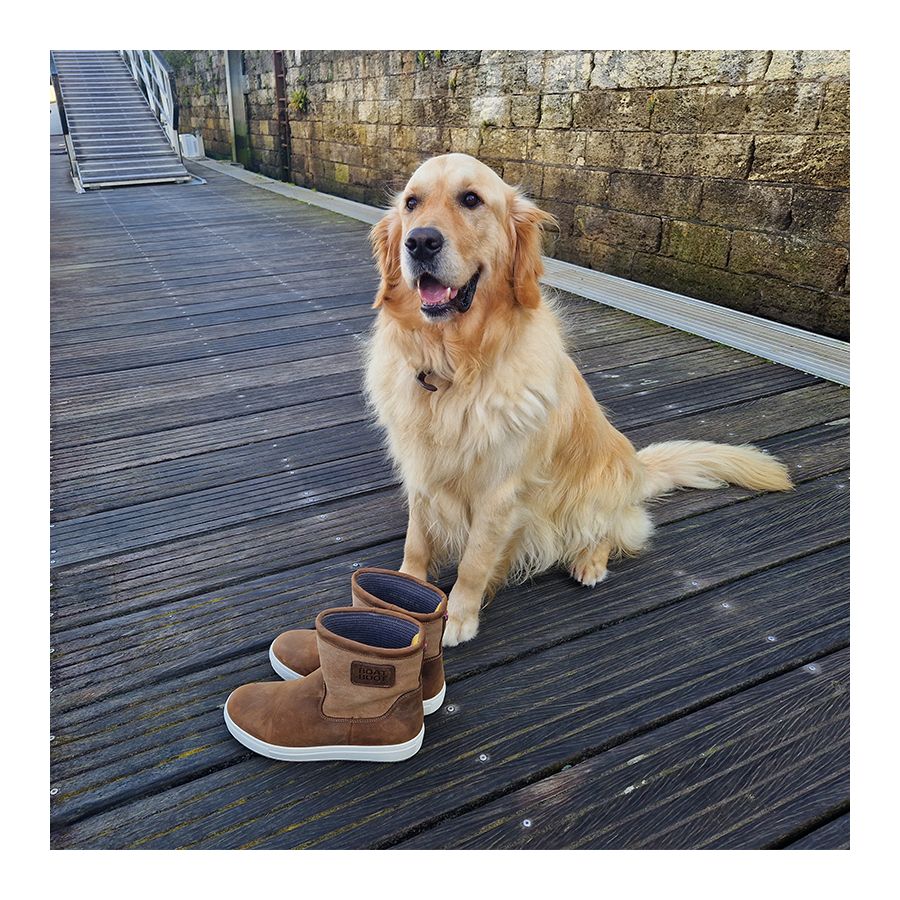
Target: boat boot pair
(358, 685)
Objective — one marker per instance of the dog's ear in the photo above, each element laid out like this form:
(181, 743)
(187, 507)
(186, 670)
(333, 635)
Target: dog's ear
(528, 222)
(385, 240)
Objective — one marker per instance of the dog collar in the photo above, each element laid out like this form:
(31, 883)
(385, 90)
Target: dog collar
(421, 379)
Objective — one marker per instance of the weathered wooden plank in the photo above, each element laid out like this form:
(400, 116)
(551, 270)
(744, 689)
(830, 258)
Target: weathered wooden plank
(644, 679)
(161, 521)
(149, 417)
(752, 421)
(88, 641)
(741, 773)
(646, 361)
(99, 363)
(155, 481)
(835, 835)
(628, 411)
(145, 420)
(300, 313)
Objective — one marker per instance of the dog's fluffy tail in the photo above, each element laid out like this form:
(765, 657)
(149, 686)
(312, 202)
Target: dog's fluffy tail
(702, 464)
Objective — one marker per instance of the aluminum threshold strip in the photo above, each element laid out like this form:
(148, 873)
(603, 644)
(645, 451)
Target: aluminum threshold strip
(812, 353)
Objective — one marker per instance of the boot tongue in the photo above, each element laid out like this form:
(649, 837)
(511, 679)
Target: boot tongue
(433, 293)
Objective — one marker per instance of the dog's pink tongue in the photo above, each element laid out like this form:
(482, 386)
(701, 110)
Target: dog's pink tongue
(433, 293)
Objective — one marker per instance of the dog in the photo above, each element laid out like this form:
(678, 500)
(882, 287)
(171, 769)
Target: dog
(509, 465)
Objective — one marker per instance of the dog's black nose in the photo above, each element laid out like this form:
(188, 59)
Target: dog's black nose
(424, 243)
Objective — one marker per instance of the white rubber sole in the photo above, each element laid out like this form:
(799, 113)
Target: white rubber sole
(358, 752)
(428, 706)
(434, 704)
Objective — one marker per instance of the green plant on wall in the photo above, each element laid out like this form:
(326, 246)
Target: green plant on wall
(423, 57)
(299, 100)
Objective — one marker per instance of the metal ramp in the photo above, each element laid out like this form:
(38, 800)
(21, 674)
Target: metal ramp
(119, 116)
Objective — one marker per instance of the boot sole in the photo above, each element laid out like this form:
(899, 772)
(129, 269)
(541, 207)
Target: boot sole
(358, 752)
(429, 706)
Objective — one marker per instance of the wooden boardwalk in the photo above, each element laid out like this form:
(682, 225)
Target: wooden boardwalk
(215, 480)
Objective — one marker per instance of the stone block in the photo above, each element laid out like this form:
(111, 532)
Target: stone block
(528, 176)
(556, 111)
(390, 112)
(654, 194)
(557, 147)
(823, 215)
(720, 286)
(705, 155)
(490, 111)
(704, 244)
(741, 204)
(809, 159)
(635, 150)
(525, 110)
(596, 255)
(575, 185)
(835, 113)
(809, 64)
(504, 143)
(619, 229)
(612, 110)
(678, 109)
(632, 68)
(719, 66)
(465, 140)
(566, 72)
(779, 107)
(793, 260)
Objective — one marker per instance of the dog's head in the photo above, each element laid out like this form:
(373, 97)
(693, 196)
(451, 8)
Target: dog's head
(457, 237)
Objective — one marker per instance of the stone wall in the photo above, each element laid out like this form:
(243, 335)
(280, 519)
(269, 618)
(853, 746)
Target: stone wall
(203, 97)
(720, 175)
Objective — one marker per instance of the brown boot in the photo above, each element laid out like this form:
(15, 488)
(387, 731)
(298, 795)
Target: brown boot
(294, 654)
(363, 702)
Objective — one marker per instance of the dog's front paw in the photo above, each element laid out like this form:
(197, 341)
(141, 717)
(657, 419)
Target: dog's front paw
(460, 628)
(589, 567)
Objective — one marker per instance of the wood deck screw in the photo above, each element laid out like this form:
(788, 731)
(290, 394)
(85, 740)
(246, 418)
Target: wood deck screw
(526, 823)
(483, 757)
(726, 605)
(54, 792)
(812, 667)
(771, 638)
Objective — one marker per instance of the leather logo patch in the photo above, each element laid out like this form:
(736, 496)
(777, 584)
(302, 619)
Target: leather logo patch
(371, 675)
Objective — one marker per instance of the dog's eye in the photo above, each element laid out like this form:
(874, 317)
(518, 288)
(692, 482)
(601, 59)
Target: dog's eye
(411, 203)
(470, 199)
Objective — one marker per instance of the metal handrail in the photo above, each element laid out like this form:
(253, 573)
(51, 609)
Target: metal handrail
(156, 79)
(60, 106)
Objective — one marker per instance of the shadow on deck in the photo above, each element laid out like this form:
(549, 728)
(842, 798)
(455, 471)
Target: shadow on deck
(215, 481)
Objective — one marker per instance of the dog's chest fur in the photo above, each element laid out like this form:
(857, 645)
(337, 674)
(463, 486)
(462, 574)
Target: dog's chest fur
(469, 434)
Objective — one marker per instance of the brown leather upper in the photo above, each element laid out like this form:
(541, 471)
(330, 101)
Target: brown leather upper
(298, 649)
(330, 708)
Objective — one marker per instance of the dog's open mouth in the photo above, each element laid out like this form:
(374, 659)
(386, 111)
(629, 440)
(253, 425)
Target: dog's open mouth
(440, 299)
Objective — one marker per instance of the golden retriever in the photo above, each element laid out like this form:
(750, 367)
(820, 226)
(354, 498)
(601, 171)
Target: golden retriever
(508, 462)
